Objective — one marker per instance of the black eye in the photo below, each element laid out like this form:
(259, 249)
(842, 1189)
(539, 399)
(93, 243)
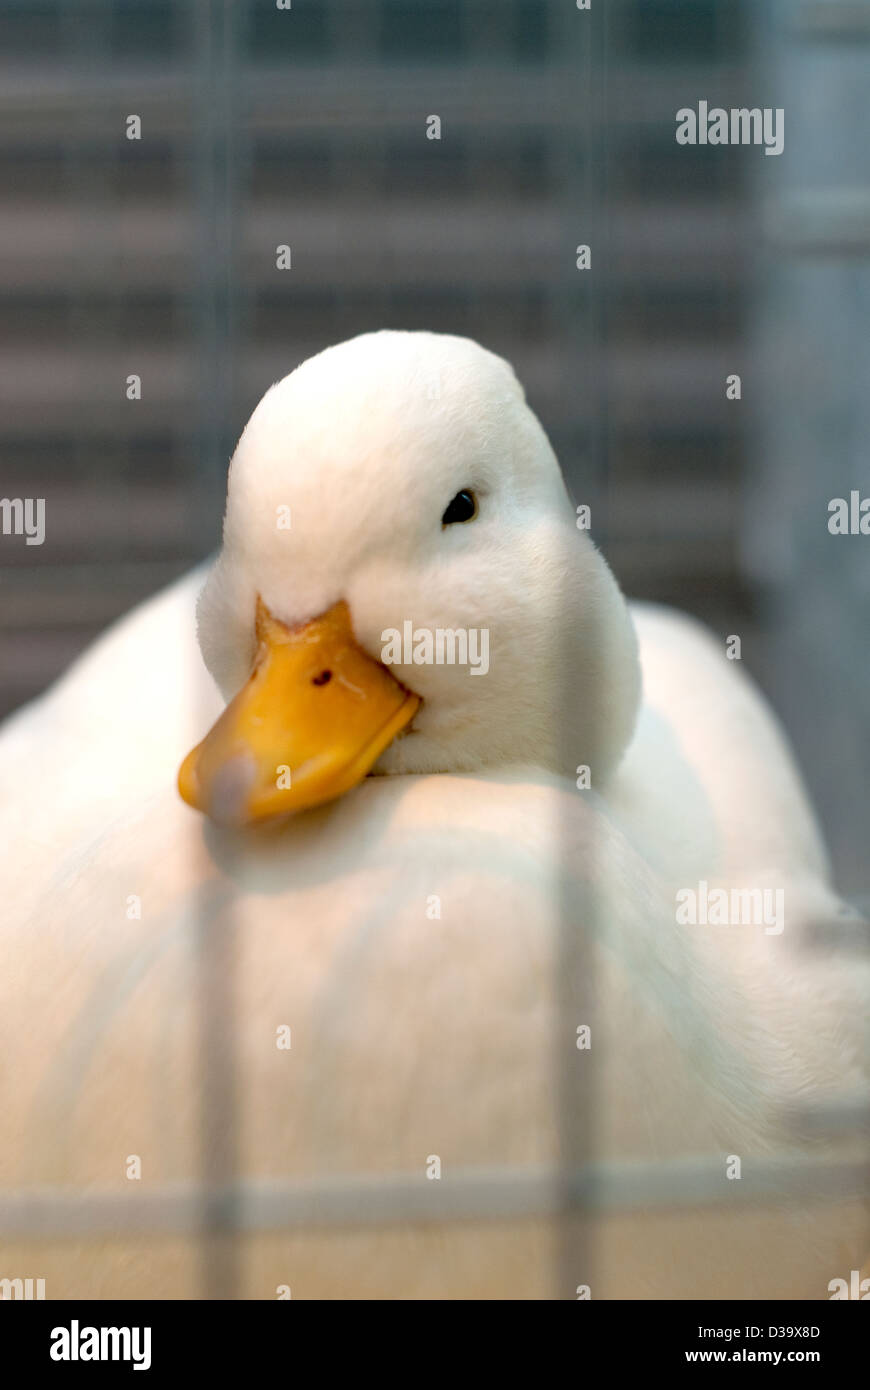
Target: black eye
(462, 508)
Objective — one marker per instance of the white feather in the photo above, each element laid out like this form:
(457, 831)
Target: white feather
(416, 1034)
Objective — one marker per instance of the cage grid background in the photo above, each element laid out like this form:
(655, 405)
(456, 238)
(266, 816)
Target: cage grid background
(170, 244)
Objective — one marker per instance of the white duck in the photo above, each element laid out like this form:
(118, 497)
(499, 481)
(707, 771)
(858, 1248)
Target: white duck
(433, 939)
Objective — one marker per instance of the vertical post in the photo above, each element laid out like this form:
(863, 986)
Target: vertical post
(215, 49)
(576, 314)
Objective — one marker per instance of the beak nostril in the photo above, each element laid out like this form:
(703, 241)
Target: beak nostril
(323, 679)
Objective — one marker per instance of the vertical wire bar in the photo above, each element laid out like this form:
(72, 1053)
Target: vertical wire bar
(86, 141)
(215, 50)
(577, 159)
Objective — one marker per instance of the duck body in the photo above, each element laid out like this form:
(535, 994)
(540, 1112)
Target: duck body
(368, 1021)
(413, 1034)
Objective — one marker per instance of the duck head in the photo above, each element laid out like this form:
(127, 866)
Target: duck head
(402, 588)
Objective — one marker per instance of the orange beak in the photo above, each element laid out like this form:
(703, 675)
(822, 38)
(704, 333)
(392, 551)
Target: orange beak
(314, 716)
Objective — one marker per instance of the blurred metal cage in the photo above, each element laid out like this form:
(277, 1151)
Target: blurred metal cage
(260, 127)
(158, 257)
